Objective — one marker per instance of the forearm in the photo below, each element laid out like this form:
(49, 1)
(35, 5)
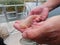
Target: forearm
(51, 4)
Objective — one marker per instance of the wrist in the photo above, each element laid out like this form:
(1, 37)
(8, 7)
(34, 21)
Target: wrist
(51, 5)
(46, 6)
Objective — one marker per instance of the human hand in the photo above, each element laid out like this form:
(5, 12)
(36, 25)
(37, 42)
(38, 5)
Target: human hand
(42, 14)
(21, 25)
(47, 32)
(40, 10)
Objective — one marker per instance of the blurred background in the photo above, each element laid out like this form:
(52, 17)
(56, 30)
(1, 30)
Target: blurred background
(12, 10)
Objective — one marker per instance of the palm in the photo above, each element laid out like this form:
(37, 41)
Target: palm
(43, 12)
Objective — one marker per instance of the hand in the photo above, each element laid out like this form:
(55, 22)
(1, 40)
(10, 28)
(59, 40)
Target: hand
(40, 10)
(26, 23)
(47, 32)
(42, 14)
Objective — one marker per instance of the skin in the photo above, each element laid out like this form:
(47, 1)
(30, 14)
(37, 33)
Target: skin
(23, 24)
(28, 21)
(46, 31)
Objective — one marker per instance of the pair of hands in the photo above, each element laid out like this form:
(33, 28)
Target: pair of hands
(43, 32)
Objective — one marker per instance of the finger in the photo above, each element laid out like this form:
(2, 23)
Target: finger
(38, 19)
(35, 24)
(44, 14)
(31, 13)
(17, 26)
(36, 11)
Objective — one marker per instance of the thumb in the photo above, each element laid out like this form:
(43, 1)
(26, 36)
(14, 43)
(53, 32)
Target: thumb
(36, 11)
(44, 13)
